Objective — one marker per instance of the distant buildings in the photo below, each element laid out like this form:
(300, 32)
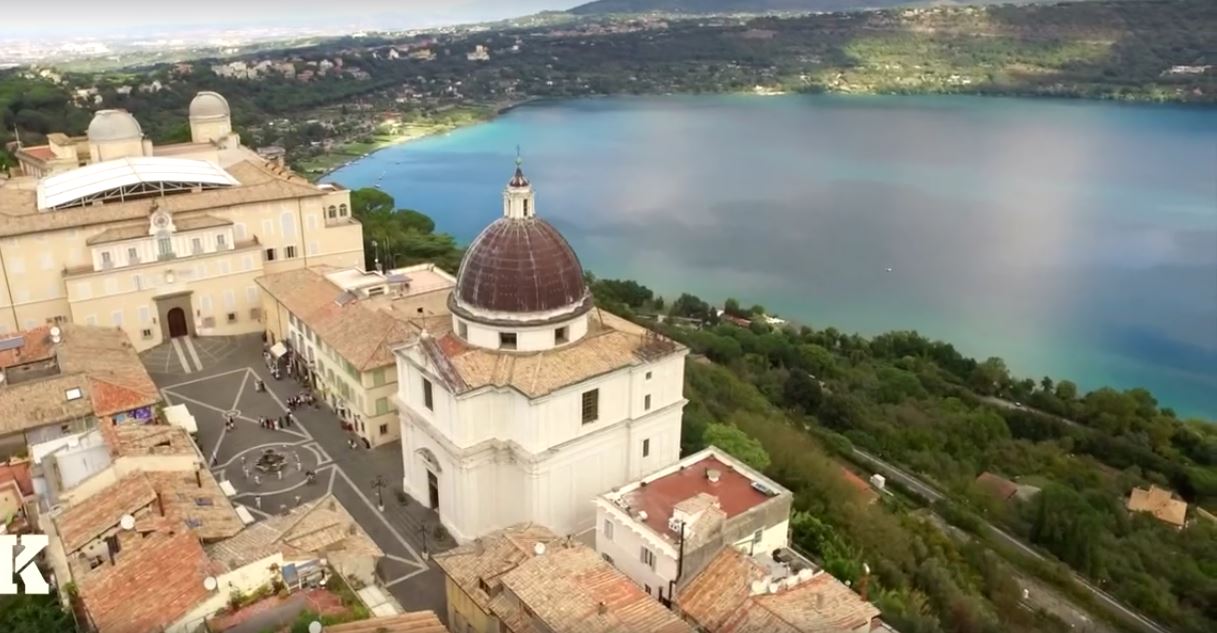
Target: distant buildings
(479, 54)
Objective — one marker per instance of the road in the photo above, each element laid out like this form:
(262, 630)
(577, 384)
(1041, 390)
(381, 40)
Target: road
(932, 494)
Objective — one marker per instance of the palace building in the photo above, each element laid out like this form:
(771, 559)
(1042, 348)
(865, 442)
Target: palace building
(524, 401)
(161, 241)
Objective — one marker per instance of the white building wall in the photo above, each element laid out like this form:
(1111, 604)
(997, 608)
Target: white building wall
(504, 458)
(625, 546)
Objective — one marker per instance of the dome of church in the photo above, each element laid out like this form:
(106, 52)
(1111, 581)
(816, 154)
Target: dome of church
(520, 266)
(209, 104)
(113, 125)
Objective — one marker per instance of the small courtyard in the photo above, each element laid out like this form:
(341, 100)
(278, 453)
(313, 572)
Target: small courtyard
(268, 468)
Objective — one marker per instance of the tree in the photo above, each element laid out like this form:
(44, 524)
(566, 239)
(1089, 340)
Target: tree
(737, 444)
(802, 391)
(990, 377)
(33, 614)
(731, 306)
(1066, 391)
(1046, 384)
(370, 201)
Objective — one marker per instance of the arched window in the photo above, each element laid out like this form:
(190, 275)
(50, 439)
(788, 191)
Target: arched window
(332, 212)
(342, 210)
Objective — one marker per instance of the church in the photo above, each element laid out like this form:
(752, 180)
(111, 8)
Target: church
(525, 401)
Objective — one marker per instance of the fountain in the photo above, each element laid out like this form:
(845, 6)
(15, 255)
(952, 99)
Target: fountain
(271, 461)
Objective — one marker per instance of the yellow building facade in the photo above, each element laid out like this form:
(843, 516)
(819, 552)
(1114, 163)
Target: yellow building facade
(160, 241)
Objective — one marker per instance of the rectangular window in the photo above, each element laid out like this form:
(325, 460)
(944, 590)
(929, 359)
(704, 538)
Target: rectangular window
(313, 248)
(146, 333)
(756, 536)
(164, 247)
(73, 394)
(648, 559)
(462, 329)
(116, 318)
(648, 375)
(106, 262)
(378, 377)
(132, 255)
(232, 317)
(646, 447)
(560, 335)
(507, 340)
(384, 429)
(270, 254)
(428, 401)
(646, 402)
(608, 529)
(382, 406)
(289, 252)
(591, 406)
(221, 242)
(196, 245)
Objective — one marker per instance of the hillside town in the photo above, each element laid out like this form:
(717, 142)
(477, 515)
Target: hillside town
(224, 422)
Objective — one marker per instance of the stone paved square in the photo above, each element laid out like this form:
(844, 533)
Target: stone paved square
(214, 376)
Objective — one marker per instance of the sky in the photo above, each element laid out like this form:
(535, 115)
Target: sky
(121, 18)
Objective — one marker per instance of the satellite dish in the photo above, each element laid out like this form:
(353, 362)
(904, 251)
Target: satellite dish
(127, 522)
(210, 584)
(56, 333)
(538, 549)
(314, 627)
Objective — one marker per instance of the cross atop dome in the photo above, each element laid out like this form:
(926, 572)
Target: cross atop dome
(518, 198)
(518, 181)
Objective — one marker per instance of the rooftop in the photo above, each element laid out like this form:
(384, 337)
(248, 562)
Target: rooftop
(195, 499)
(319, 526)
(611, 343)
(361, 330)
(255, 182)
(572, 589)
(736, 594)
(128, 177)
(1159, 502)
(137, 440)
(527, 569)
(996, 486)
(706, 486)
(140, 230)
(35, 345)
(88, 520)
(149, 588)
(416, 622)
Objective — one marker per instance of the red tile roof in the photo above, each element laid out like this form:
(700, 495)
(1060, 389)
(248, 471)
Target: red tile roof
(41, 152)
(150, 588)
(18, 472)
(35, 347)
(416, 622)
(859, 485)
(998, 487)
(85, 521)
(659, 497)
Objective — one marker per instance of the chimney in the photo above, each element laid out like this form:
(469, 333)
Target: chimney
(198, 476)
(713, 475)
(602, 608)
(160, 504)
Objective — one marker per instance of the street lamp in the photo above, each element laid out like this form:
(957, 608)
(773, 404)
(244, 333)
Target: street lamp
(379, 484)
(376, 254)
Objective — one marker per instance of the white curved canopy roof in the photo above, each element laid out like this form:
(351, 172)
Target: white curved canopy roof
(125, 178)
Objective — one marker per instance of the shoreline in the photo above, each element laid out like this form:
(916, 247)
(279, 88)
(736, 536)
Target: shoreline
(497, 110)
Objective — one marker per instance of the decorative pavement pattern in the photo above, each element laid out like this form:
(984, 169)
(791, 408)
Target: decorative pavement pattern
(362, 479)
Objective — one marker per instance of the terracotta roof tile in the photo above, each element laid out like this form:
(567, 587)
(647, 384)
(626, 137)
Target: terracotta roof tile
(720, 599)
(150, 588)
(18, 471)
(997, 486)
(1159, 502)
(480, 563)
(83, 522)
(520, 265)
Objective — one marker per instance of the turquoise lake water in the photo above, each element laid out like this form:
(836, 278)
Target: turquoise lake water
(1074, 239)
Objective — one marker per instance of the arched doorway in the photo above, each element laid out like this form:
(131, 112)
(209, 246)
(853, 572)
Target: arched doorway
(177, 323)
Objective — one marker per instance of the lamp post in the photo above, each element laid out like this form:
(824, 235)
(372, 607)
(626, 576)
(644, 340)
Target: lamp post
(379, 484)
(376, 254)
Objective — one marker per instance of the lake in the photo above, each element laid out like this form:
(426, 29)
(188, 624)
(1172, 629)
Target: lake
(1074, 239)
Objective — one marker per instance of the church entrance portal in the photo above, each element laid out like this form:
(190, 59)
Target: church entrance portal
(177, 323)
(433, 490)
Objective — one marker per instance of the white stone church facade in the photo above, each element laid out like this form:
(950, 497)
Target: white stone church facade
(524, 401)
